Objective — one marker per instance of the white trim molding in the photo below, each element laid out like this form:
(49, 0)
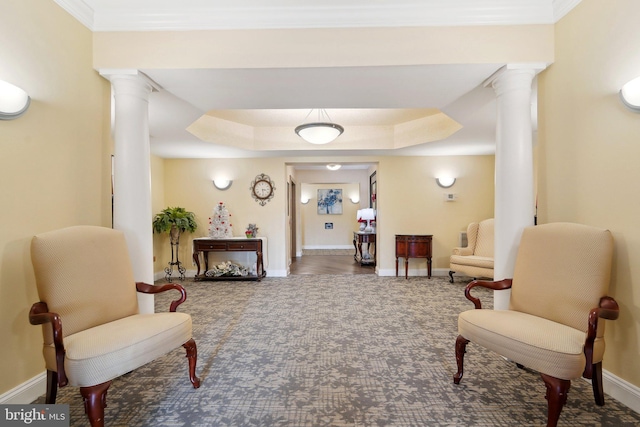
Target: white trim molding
(26, 392)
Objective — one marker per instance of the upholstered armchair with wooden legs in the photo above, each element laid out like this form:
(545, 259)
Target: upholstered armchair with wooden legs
(88, 309)
(554, 322)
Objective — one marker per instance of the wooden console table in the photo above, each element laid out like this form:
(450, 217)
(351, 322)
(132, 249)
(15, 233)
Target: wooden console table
(413, 246)
(240, 244)
(358, 239)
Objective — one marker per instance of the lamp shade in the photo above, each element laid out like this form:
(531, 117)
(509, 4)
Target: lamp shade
(368, 214)
(14, 101)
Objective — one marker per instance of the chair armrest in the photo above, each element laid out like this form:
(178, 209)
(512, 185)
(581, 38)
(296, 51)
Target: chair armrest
(38, 315)
(146, 288)
(466, 251)
(607, 309)
(499, 285)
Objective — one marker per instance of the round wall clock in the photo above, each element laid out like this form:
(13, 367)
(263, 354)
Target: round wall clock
(262, 189)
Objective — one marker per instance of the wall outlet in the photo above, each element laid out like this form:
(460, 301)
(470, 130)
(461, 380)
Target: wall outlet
(450, 197)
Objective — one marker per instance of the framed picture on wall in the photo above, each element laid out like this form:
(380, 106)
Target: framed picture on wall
(373, 191)
(330, 201)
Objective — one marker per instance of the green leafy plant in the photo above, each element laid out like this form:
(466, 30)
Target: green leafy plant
(178, 217)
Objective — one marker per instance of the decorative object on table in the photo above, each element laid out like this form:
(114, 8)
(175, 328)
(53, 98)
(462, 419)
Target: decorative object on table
(368, 215)
(220, 226)
(262, 189)
(252, 231)
(227, 269)
(362, 222)
(330, 202)
(174, 221)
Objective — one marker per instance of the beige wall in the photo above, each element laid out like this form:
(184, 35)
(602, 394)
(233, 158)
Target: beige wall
(314, 233)
(410, 202)
(589, 151)
(55, 161)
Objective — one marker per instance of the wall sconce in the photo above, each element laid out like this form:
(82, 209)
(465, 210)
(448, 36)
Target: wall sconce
(334, 167)
(355, 199)
(445, 181)
(14, 101)
(222, 184)
(304, 200)
(630, 95)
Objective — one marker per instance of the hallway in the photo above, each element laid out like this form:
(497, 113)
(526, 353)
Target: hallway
(328, 264)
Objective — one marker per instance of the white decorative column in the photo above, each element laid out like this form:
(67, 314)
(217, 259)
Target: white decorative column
(514, 188)
(132, 173)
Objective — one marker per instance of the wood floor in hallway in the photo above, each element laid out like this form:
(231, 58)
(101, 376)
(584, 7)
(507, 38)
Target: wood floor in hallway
(329, 264)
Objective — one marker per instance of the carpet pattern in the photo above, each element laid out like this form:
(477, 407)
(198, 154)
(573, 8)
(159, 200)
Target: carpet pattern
(337, 350)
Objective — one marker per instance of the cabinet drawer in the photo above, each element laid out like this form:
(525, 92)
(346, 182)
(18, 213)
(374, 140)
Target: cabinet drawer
(208, 246)
(242, 246)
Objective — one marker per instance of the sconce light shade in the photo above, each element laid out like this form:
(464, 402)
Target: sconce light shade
(304, 200)
(630, 95)
(222, 184)
(334, 166)
(445, 181)
(14, 101)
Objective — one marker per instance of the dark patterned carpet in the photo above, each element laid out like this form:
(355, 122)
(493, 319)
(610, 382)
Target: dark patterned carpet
(337, 350)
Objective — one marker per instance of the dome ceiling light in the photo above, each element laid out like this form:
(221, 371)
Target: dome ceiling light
(321, 132)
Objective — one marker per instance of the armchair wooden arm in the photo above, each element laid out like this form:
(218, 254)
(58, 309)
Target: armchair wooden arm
(499, 285)
(38, 315)
(607, 309)
(152, 289)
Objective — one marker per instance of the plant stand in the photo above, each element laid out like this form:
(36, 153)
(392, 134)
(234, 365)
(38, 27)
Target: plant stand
(175, 245)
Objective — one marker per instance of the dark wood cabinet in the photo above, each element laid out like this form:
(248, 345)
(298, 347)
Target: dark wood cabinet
(413, 246)
(204, 246)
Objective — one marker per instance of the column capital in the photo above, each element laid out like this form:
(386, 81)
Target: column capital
(127, 74)
(524, 69)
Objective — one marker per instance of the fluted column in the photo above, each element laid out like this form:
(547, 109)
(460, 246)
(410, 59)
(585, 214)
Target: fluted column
(132, 173)
(514, 187)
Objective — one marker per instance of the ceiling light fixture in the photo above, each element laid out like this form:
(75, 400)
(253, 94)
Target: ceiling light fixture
(14, 101)
(333, 167)
(321, 132)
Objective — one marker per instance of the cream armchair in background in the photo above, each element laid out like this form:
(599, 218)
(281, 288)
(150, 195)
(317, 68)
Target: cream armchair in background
(476, 259)
(88, 309)
(558, 296)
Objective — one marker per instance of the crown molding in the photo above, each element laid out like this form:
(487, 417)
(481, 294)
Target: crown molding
(562, 7)
(141, 15)
(79, 10)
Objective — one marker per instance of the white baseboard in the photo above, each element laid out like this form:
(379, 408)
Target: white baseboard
(329, 247)
(621, 390)
(26, 392)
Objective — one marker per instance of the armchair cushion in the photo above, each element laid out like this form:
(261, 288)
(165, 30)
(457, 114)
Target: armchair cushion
(102, 353)
(540, 344)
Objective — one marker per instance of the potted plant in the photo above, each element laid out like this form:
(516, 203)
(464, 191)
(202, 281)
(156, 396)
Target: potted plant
(174, 221)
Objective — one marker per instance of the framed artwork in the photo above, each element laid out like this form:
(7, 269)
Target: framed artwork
(373, 191)
(330, 202)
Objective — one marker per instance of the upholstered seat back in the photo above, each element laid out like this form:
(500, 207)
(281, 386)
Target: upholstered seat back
(83, 291)
(484, 241)
(562, 270)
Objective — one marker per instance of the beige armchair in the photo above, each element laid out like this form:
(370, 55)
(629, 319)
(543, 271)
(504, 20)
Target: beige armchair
(558, 296)
(476, 259)
(88, 309)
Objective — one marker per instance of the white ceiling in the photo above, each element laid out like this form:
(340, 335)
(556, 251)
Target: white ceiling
(353, 96)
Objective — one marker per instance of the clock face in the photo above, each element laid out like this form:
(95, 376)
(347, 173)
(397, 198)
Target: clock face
(262, 189)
